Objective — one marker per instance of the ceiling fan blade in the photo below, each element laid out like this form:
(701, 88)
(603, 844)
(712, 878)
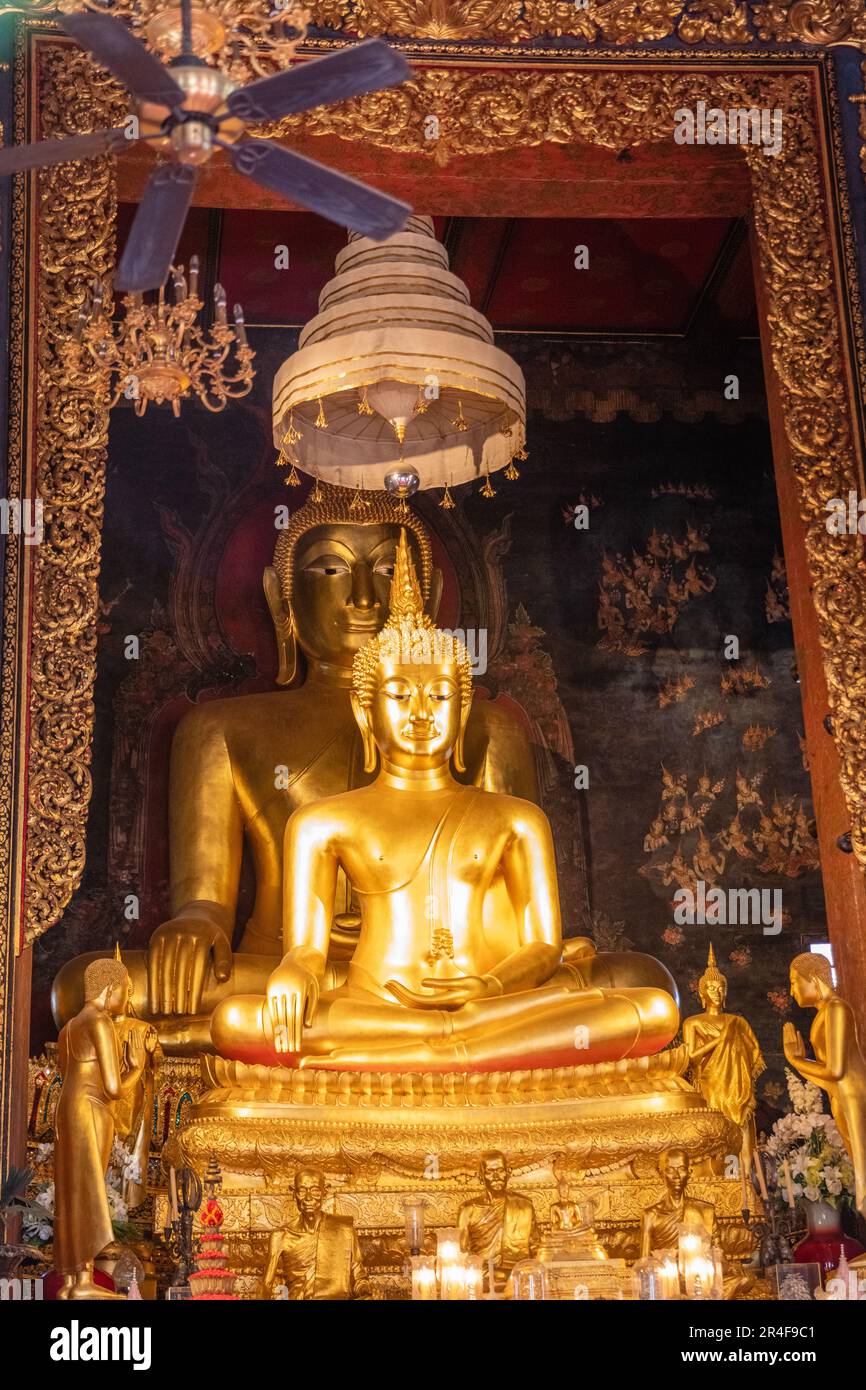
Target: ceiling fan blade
(336, 196)
(155, 232)
(365, 68)
(45, 152)
(112, 44)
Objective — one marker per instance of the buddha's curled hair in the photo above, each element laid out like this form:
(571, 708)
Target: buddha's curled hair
(410, 636)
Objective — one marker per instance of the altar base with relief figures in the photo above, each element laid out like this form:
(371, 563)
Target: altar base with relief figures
(381, 1137)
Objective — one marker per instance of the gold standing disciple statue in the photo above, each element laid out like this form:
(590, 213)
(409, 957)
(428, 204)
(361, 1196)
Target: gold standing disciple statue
(318, 1255)
(96, 1077)
(500, 1225)
(839, 1067)
(434, 984)
(725, 1058)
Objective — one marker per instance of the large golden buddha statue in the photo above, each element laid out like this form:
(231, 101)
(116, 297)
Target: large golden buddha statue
(436, 983)
(241, 766)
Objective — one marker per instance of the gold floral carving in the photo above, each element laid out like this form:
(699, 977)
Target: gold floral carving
(486, 112)
(811, 21)
(76, 233)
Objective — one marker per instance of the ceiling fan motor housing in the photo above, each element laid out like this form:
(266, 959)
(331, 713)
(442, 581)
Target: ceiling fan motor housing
(191, 140)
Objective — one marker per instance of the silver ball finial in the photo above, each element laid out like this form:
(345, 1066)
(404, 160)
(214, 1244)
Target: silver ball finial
(402, 481)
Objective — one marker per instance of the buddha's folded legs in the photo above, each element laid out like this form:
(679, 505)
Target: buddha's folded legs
(189, 1034)
(550, 1027)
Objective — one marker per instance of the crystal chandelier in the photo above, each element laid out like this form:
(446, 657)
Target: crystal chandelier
(159, 351)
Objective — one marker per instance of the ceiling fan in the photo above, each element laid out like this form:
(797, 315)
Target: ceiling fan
(189, 109)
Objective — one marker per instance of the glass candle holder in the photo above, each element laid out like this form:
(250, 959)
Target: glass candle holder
(424, 1289)
(650, 1282)
(669, 1274)
(413, 1214)
(473, 1277)
(697, 1271)
(528, 1281)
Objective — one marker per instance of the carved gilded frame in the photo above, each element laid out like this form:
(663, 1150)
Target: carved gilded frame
(58, 432)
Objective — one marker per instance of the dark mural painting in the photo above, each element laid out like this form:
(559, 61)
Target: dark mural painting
(632, 589)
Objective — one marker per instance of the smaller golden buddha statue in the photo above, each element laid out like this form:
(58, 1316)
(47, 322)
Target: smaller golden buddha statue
(95, 1078)
(318, 1255)
(839, 1067)
(565, 1214)
(437, 981)
(725, 1058)
(661, 1222)
(572, 1234)
(498, 1225)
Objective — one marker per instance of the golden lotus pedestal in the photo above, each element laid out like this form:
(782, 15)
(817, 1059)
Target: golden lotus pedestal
(382, 1138)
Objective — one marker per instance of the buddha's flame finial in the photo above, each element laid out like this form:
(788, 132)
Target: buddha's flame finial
(117, 955)
(406, 603)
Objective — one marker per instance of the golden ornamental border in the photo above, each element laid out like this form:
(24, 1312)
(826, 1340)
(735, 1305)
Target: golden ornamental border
(732, 23)
(46, 727)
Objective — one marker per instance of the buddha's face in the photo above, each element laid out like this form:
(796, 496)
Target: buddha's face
(309, 1193)
(713, 995)
(416, 712)
(494, 1174)
(675, 1172)
(341, 586)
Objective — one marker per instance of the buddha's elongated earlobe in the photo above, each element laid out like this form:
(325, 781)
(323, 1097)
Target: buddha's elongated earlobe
(435, 598)
(457, 757)
(371, 752)
(284, 627)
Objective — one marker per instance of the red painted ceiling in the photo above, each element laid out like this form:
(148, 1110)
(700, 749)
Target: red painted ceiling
(645, 275)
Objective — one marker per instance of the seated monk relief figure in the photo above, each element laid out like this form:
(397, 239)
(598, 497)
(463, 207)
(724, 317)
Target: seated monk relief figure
(241, 766)
(428, 988)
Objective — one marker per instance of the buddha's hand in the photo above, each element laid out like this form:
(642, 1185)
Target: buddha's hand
(792, 1043)
(177, 962)
(446, 994)
(292, 996)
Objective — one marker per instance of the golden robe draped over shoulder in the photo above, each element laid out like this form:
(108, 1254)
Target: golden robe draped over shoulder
(726, 1077)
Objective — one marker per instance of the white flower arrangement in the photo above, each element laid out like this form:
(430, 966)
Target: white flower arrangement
(122, 1168)
(808, 1140)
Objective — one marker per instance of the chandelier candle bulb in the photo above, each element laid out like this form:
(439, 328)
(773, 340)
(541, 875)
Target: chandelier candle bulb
(240, 326)
(193, 276)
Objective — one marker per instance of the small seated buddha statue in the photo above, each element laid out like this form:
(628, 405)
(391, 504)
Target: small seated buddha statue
(429, 988)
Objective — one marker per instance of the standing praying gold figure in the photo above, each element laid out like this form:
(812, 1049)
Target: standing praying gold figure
(839, 1067)
(95, 1078)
